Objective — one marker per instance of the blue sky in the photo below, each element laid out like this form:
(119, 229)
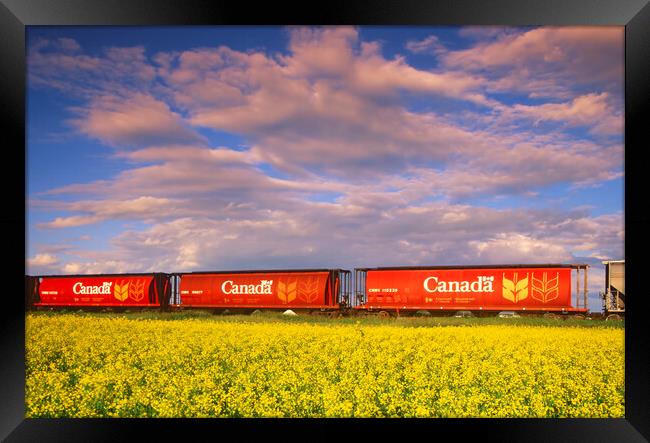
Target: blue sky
(204, 148)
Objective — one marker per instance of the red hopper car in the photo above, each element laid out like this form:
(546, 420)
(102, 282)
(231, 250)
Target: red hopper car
(531, 288)
(100, 290)
(304, 289)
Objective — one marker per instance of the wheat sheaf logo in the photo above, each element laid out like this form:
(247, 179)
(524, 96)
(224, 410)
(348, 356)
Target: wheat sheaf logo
(308, 290)
(287, 291)
(121, 291)
(516, 289)
(545, 289)
(136, 292)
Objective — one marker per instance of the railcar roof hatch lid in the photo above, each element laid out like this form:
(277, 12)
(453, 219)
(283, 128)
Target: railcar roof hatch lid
(262, 271)
(500, 266)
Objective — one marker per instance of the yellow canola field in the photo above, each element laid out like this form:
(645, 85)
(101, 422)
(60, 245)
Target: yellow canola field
(118, 367)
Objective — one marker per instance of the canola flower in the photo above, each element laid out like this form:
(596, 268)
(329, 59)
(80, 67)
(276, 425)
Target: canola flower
(78, 366)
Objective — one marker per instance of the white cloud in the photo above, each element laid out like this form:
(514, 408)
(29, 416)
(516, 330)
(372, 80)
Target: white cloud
(520, 248)
(352, 233)
(593, 110)
(548, 61)
(43, 260)
(430, 45)
(144, 207)
(139, 120)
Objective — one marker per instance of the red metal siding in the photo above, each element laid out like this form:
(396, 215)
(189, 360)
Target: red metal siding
(258, 290)
(506, 288)
(96, 291)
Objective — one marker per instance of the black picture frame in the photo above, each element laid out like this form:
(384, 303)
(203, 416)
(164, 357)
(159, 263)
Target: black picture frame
(15, 15)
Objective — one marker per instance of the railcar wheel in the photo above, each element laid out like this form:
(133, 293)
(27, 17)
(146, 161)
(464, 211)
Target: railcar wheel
(579, 317)
(384, 314)
(551, 316)
(613, 317)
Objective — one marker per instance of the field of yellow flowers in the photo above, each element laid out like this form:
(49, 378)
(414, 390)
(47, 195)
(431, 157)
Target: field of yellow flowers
(112, 366)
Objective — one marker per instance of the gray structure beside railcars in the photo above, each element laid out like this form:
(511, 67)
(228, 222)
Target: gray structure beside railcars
(613, 297)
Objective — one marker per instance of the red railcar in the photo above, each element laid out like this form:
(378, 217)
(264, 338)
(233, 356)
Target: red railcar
(533, 288)
(312, 289)
(99, 290)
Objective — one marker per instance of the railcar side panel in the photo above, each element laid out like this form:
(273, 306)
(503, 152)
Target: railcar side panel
(132, 290)
(485, 288)
(259, 290)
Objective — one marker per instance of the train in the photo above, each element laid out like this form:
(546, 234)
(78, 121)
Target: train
(534, 289)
